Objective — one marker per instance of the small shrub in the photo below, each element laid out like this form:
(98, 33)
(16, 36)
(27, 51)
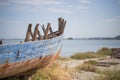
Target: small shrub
(92, 62)
(86, 67)
(86, 55)
(104, 51)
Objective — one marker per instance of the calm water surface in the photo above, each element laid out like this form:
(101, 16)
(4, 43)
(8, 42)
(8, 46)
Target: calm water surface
(70, 47)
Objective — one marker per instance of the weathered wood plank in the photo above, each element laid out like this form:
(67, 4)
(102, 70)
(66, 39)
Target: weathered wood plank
(61, 25)
(54, 34)
(43, 28)
(51, 31)
(29, 32)
(64, 24)
(46, 31)
(36, 32)
(115, 52)
(29, 50)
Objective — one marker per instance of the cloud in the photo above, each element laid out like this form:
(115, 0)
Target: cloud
(59, 10)
(37, 2)
(84, 5)
(31, 2)
(112, 20)
(85, 1)
(83, 8)
(55, 6)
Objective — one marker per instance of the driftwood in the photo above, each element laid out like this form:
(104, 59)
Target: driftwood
(115, 52)
(48, 32)
(106, 64)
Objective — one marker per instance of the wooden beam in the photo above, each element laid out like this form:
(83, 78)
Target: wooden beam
(29, 32)
(54, 34)
(61, 25)
(43, 28)
(46, 31)
(37, 32)
(51, 31)
(64, 24)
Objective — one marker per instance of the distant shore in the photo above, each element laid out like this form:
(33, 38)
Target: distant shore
(95, 38)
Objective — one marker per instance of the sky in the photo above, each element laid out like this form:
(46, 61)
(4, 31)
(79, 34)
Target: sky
(85, 18)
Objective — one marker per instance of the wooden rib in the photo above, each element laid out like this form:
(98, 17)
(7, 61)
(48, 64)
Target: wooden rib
(43, 28)
(64, 24)
(60, 26)
(46, 31)
(29, 32)
(54, 34)
(36, 32)
(51, 31)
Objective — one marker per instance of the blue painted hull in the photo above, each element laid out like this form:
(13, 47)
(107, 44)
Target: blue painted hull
(27, 55)
(29, 50)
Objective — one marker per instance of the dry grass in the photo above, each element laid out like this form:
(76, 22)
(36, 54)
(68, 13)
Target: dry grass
(104, 51)
(63, 58)
(108, 75)
(87, 55)
(54, 72)
(87, 66)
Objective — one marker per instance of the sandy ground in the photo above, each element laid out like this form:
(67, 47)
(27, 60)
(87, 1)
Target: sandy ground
(85, 75)
(73, 62)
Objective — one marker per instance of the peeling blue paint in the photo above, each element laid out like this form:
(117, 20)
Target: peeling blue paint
(29, 50)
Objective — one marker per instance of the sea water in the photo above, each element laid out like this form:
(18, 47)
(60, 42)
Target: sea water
(70, 47)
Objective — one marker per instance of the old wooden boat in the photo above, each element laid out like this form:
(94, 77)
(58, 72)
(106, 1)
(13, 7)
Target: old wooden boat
(37, 52)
